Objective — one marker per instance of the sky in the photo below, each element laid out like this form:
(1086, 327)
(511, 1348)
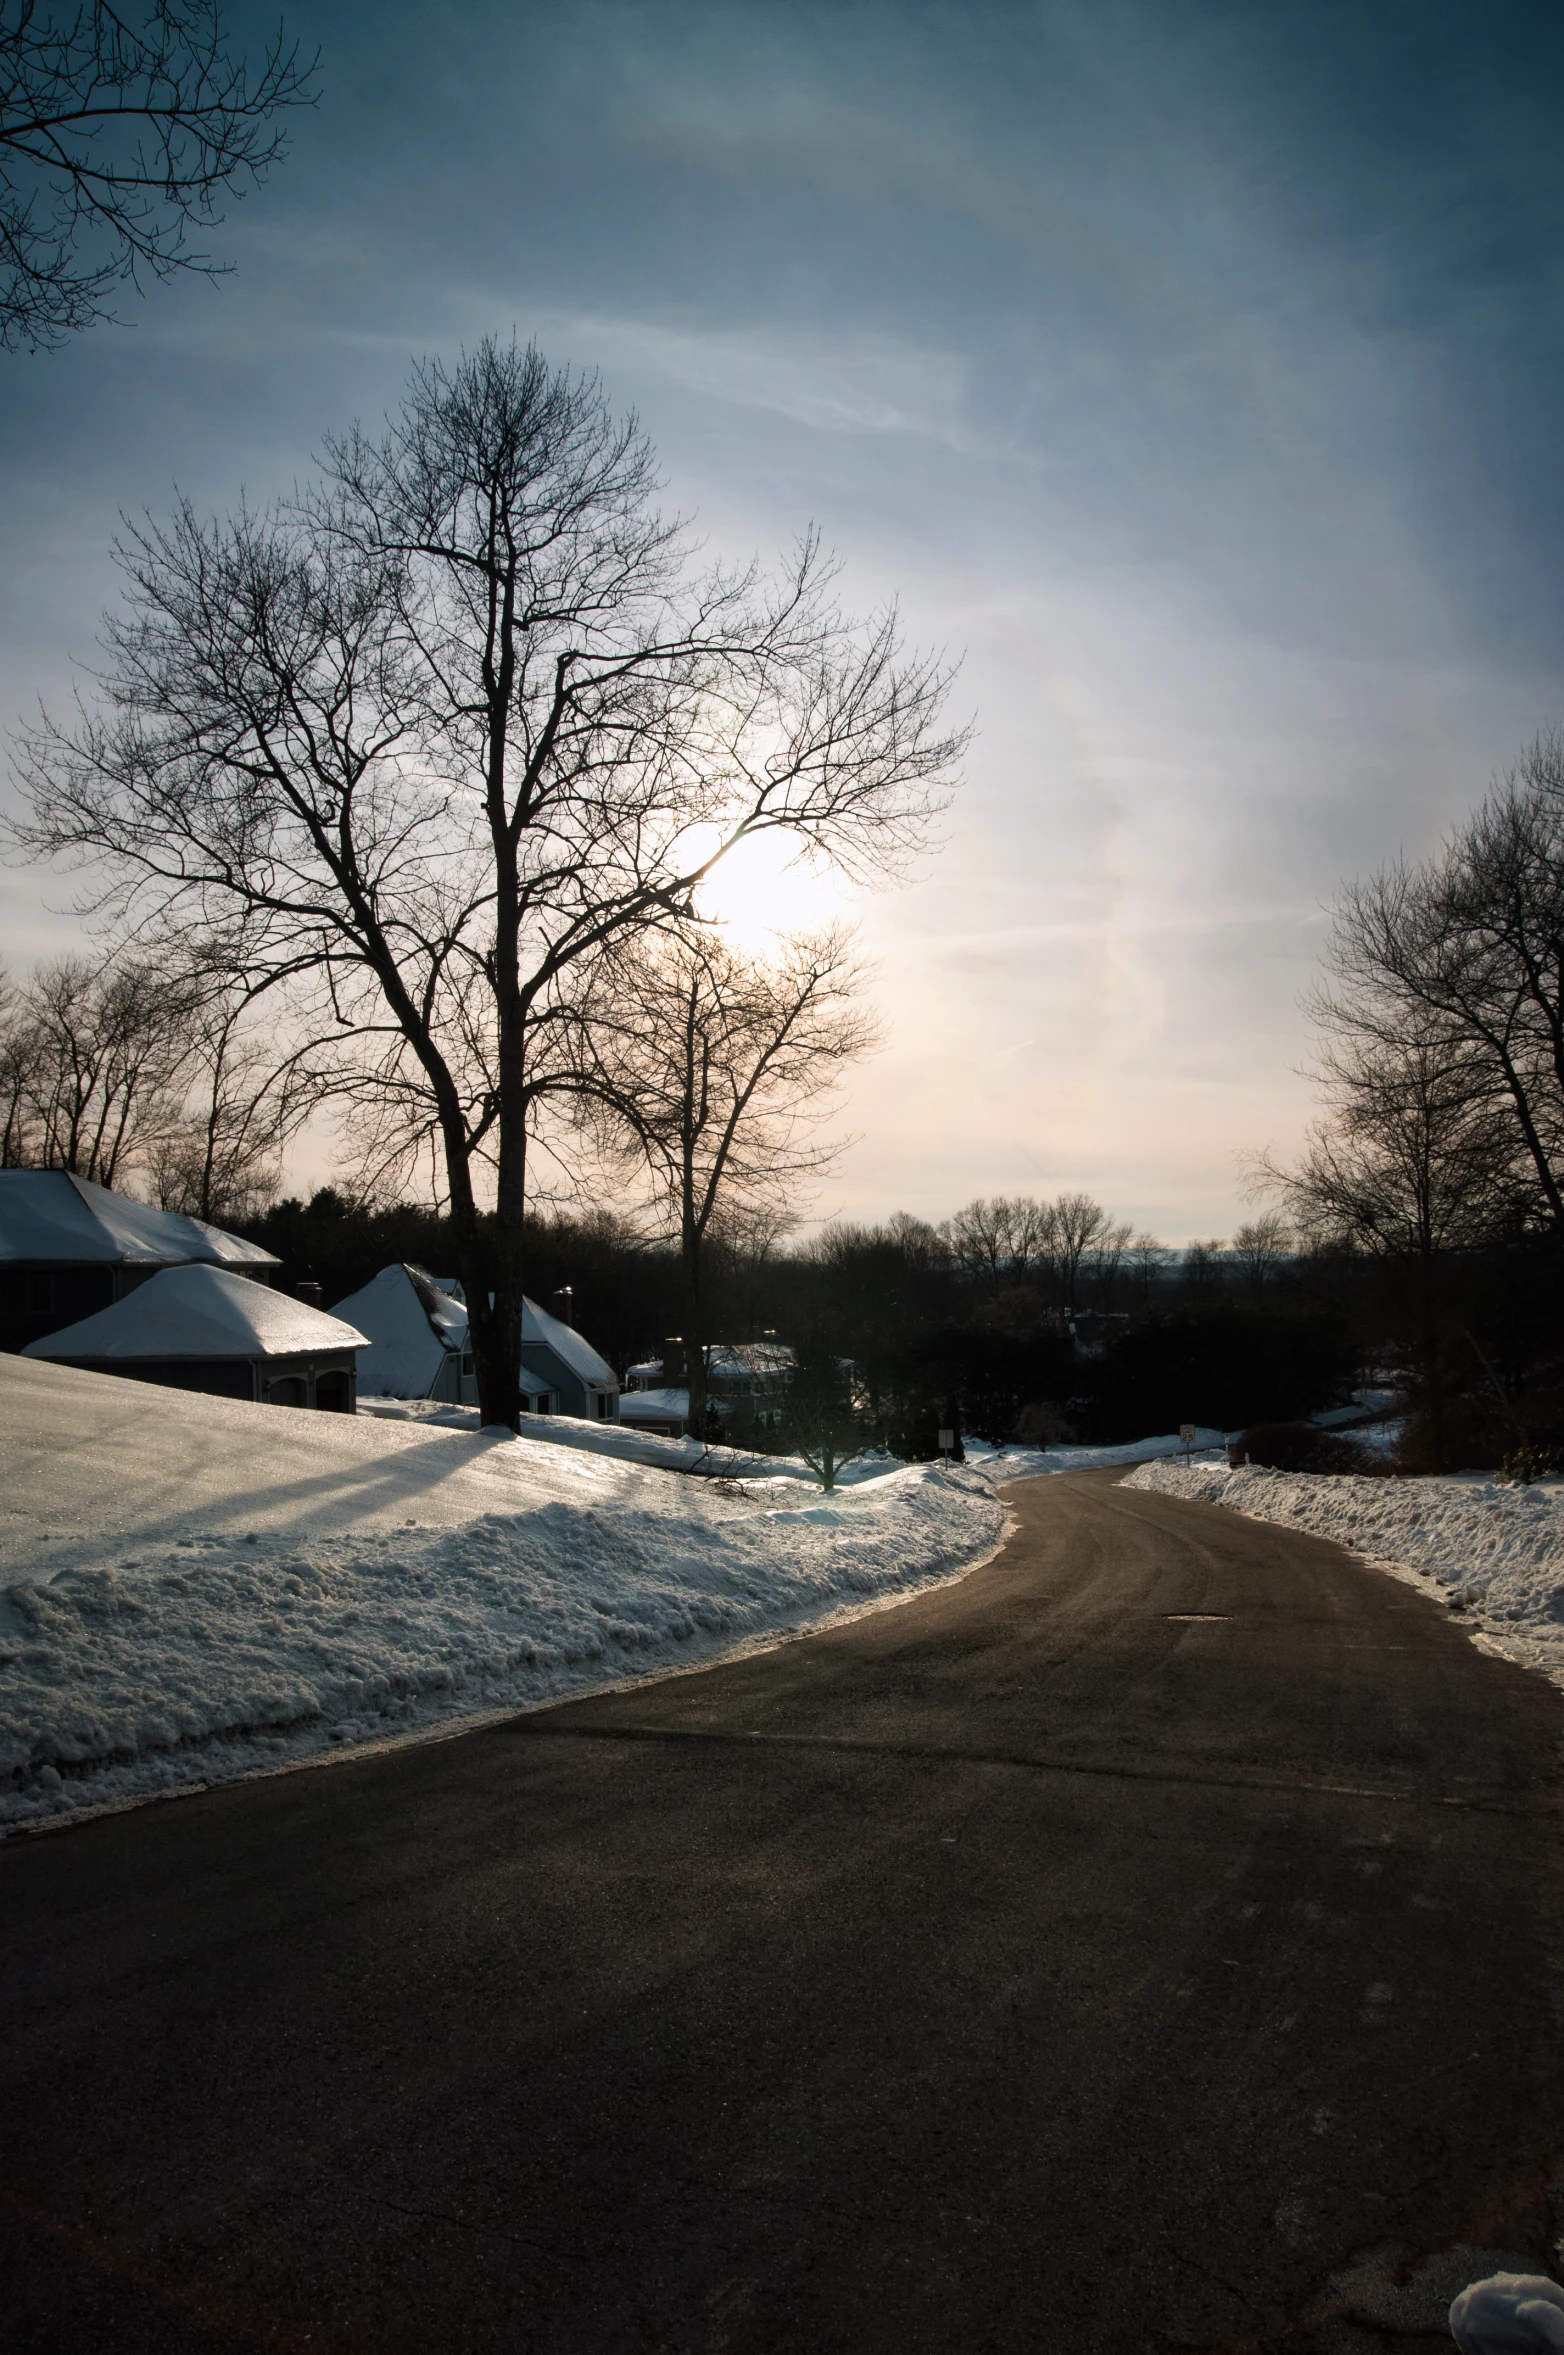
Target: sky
(1190, 373)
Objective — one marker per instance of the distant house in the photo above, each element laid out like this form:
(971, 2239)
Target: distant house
(204, 1328)
(745, 1381)
(419, 1347)
(69, 1248)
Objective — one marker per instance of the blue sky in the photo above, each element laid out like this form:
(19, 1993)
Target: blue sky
(1191, 370)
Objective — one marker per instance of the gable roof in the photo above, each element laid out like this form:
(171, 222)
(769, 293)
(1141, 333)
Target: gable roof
(410, 1324)
(570, 1347)
(48, 1216)
(200, 1312)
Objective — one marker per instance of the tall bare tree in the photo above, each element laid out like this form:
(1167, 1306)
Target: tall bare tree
(1001, 1239)
(431, 736)
(1461, 959)
(121, 131)
(19, 1074)
(103, 1048)
(1082, 1240)
(218, 1156)
(722, 1067)
(1416, 1155)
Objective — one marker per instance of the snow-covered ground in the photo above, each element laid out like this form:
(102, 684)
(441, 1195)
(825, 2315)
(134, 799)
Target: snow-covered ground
(192, 1588)
(691, 1455)
(1494, 1552)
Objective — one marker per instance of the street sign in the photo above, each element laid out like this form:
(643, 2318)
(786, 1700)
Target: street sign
(1188, 1433)
(947, 1442)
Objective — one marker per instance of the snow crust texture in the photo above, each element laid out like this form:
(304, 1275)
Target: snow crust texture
(1495, 1550)
(194, 1588)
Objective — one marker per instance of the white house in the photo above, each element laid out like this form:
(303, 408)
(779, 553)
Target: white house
(419, 1347)
(204, 1328)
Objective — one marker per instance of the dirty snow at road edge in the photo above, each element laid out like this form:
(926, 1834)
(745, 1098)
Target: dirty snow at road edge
(1494, 1552)
(192, 1589)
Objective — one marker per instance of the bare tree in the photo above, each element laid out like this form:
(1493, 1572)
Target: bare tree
(1260, 1248)
(1416, 1154)
(1001, 1238)
(1201, 1266)
(1462, 958)
(120, 132)
(1080, 1230)
(19, 1076)
(722, 1067)
(433, 735)
(104, 1046)
(1148, 1258)
(219, 1155)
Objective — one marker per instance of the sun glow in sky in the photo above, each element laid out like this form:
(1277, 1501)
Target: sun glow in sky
(768, 885)
(1189, 372)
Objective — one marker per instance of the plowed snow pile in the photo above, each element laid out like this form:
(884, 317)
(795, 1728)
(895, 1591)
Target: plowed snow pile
(1496, 1552)
(191, 1588)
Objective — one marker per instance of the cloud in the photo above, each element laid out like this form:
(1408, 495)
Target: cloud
(833, 383)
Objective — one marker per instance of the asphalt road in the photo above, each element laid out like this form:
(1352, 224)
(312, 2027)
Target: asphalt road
(1037, 1966)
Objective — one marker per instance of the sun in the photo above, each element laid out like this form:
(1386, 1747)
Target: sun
(770, 884)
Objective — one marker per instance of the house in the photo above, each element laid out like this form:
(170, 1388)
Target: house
(666, 1412)
(419, 1347)
(69, 1248)
(205, 1328)
(746, 1382)
(415, 1330)
(579, 1382)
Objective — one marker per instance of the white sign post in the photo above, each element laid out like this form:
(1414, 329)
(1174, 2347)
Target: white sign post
(947, 1443)
(1188, 1433)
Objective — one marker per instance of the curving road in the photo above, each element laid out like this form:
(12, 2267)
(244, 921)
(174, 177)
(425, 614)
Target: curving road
(1094, 1955)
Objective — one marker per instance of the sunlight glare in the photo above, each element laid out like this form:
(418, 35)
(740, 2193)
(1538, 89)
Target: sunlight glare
(767, 885)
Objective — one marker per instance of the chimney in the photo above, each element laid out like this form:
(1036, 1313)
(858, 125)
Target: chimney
(676, 1372)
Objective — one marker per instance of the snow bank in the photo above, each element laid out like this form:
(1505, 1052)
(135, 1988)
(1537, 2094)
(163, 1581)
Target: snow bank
(193, 1588)
(1495, 1553)
(692, 1455)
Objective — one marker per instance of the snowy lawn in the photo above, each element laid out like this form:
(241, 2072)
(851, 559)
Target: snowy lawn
(192, 1588)
(692, 1455)
(1494, 1553)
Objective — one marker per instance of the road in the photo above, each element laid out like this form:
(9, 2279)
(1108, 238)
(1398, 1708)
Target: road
(1092, 1955)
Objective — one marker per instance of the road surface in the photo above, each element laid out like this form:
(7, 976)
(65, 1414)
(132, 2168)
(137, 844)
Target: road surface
(1094, 1955)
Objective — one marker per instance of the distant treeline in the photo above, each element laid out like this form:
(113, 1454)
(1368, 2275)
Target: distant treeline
(1013, 1318)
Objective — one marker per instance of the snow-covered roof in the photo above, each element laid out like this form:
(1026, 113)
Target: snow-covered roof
(412, 1321)
(410, 1324)
(200, 1312)
(569, 1346)
(654, 1406)
(46, 1215)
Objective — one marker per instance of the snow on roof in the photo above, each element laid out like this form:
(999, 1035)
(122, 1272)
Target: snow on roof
(656, 1406)
(409, 1324)
(569, 1346)
(200, 1312)
(411, 1321)
(47, 1215)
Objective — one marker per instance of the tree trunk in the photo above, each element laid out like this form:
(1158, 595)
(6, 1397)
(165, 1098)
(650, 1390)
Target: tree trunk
(695, 1339)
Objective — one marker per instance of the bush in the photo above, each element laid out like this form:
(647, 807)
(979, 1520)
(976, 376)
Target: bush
(1302, 1447)
(1526, 1464)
